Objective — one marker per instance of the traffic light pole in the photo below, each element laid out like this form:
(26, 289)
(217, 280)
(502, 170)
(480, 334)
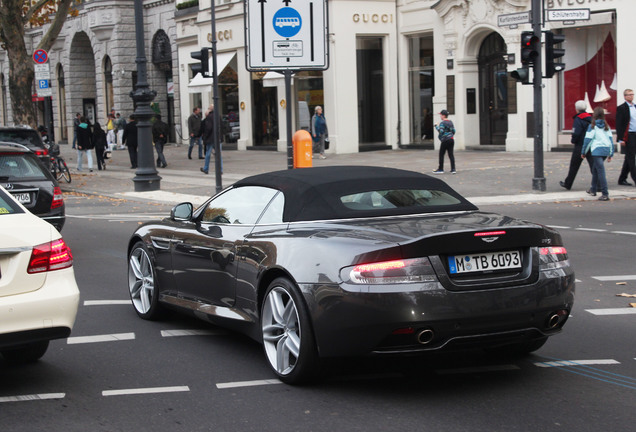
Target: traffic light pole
(538, 182)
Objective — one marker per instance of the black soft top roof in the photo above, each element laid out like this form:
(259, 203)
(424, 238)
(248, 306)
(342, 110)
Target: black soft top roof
(314, 193)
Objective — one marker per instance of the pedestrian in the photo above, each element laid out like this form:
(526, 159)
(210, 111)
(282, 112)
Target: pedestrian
(194, 129)
(120, 124)
(579, 128)
(446, 134)
(111, 139)
(160, 137)
(598, 141)
(208, 138)
(76, 122)
(626, 136)
(319, 132)
(129, 138)
(84, 144)
(99, 141)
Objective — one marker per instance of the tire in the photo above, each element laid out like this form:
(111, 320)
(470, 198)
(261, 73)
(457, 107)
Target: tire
(288, 339)
(142, 283)
(64, 171)
(26, 353)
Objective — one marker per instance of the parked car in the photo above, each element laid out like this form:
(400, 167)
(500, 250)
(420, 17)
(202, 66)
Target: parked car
(38, 291)
(351, 261)
(24, 176)
(28, 137)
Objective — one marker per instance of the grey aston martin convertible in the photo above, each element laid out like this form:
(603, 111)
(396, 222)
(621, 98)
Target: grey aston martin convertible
(349, 261)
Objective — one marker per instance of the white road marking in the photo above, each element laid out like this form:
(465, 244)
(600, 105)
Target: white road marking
(101, 338)
(192, 332)
(148, 390)
(624, 232)
(33, 397)
(591, 229)
(477, 369)
(247, 383)
(613, 311)
(559, 227)
(577, 363)
(614, 278)
(106, 302)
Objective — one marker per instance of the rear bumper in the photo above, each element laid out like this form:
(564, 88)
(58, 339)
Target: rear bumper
(44, 314)
(357, 323)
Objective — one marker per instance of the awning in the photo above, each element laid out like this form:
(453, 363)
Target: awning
(273, 79)
(200, 84)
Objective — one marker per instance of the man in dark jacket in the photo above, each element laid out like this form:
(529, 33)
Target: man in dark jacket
(160, 137)
(208, 137)
(582, 121)
(84, 144)
(129, 139)
(626, 136)
(194, 128)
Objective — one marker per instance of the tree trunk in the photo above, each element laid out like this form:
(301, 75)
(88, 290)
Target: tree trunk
(21, 73)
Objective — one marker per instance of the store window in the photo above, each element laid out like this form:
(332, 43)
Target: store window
(422, 88)
(264, 113)
(309, 94)
(370, 74)
(229, 100)
(590, 71)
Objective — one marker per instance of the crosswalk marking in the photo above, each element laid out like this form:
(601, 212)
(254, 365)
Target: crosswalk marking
(106, 302)
(247, 383)
(148, 390)
(612, 311)
(33, 397)
(562, 363)
(101, 338)
(191, 332)
(614, 278)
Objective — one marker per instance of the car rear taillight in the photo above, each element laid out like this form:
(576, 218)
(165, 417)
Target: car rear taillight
(55, 255)
(58, 200)
(412, 270)
(553, 257)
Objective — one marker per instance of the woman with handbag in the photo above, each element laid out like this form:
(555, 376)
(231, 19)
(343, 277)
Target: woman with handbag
(319, 132)
(599, 142)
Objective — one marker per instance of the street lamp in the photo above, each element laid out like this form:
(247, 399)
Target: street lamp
(146, 177)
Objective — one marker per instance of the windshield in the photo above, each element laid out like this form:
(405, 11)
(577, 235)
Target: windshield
(20, 166)
(7, 205)
(26, 137)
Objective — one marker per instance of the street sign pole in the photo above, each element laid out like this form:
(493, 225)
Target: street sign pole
(538, 182)
(288, 115)
(218, 161)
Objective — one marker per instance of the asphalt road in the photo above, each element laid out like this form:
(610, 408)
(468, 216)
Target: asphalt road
(120, 373)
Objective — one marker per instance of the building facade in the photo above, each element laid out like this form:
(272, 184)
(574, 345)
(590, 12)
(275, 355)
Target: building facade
(393, 65)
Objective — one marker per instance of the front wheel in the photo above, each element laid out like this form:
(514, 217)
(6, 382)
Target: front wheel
(142, 283)
(288, 338)
(64, 171)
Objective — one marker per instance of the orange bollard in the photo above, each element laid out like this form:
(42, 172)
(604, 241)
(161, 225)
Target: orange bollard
(303, 149)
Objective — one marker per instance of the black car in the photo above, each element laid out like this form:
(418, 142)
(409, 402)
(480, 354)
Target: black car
(24, 176)
(350, 261)
(28, 137)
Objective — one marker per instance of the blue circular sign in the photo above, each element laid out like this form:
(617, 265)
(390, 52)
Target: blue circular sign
(287, 22)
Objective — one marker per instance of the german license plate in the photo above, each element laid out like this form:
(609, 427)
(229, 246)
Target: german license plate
(23, 198)
(486, 261)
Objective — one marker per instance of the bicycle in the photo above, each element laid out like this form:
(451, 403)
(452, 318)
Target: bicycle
(58, 165)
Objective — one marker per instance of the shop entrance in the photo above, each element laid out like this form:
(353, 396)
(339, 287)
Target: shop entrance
(493, 80)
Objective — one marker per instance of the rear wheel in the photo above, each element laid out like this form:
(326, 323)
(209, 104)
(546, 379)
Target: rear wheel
(288, 338)
(26, 353)
(142, 283)
(64, 171)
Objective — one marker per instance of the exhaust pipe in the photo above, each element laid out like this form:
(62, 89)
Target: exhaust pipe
(554, 320)
(425, 336)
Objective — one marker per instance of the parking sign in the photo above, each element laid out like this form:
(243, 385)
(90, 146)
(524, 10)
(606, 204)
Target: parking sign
(289, 34)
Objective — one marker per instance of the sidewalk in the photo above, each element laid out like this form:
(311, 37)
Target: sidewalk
(484, 177)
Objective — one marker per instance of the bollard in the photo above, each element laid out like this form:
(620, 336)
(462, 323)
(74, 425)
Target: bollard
(303, 149)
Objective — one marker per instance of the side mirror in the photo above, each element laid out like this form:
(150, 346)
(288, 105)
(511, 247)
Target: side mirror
(182, 212)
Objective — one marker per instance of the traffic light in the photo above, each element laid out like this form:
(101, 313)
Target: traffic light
(204, 67)
(522, 75)
(530, 48)
(552, 53)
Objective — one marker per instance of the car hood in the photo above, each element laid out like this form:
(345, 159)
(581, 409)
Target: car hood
(16, 244)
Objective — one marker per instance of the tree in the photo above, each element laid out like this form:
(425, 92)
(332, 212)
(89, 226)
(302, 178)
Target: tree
(15, 17)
